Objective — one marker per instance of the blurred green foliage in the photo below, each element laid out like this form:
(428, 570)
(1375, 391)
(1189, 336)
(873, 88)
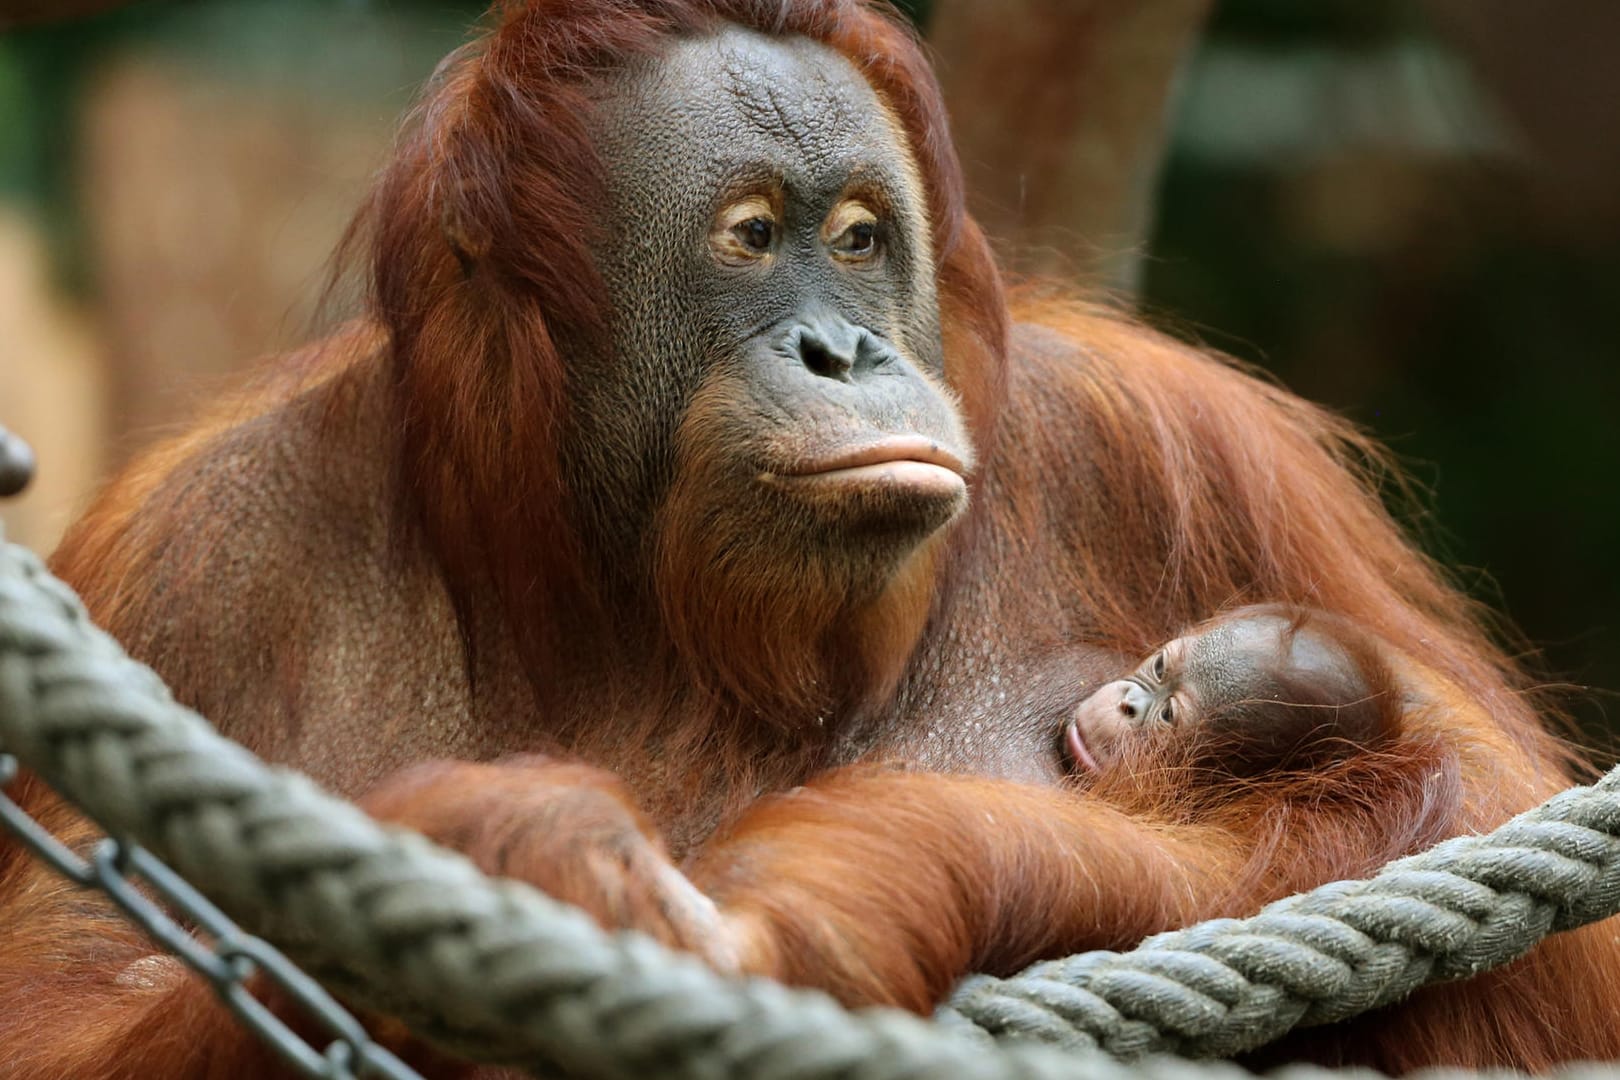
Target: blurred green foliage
(39, 77)
(1346, 24)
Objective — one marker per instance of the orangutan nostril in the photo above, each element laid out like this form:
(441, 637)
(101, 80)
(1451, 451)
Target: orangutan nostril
(822, 357)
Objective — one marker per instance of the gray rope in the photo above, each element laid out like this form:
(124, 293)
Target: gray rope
(498, 972)
(1216, 989)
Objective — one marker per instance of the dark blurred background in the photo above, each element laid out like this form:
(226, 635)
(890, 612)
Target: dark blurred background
(1406, 209)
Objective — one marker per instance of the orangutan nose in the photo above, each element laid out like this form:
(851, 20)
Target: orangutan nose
(832, 347)
(824, 357)
(1134, 702)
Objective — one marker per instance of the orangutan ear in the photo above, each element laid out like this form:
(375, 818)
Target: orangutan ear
(469, 238)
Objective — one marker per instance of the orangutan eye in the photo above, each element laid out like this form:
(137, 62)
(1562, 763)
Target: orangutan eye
(1167, 714)
(861, 238)
(852, 231)
(756, 233)
(1158, 665)
(744, 234)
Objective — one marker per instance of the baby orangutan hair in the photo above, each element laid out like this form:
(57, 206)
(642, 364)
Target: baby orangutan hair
(1253, 690)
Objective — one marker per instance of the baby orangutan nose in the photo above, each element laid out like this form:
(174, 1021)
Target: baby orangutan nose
(1134, 700)
(1103, 720)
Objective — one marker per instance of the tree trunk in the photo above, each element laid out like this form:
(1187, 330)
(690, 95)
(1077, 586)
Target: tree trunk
(1551, 68)
(1061, 110)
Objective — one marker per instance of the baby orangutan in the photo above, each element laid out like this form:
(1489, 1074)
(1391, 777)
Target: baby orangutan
(1252, 690)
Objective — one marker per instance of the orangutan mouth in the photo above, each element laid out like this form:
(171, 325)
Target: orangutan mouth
(912, 462)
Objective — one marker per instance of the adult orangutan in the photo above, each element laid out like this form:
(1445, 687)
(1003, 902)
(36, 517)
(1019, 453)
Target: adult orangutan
(692, 451)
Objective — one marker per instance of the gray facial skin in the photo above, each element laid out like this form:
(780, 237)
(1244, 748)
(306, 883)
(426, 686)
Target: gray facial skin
(1240, 681)
(768, 263)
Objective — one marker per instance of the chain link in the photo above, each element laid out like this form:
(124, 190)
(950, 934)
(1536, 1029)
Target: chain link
(113, 869)
(235, 956)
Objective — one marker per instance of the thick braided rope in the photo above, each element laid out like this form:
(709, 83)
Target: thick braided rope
(499, 972)
(1229, 985)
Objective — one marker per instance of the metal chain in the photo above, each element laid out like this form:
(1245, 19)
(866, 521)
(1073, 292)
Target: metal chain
(234, 957)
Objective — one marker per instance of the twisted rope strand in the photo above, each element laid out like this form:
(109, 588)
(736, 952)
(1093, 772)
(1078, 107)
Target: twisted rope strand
(1222, 987)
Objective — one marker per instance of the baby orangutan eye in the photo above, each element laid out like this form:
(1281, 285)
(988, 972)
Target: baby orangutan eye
(1167, 714)
(1158, 664)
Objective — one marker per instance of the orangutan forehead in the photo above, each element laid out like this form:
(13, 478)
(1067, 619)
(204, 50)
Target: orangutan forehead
(1240, 659)
(1235, 660)
(794, 89)
(1245, 640)
(741, 96)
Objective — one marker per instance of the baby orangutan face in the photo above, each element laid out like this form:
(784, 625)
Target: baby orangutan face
(1253, 689)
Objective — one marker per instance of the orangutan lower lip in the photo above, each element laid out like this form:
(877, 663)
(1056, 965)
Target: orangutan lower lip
(897, 449)
(910, 463)
(1077, 749)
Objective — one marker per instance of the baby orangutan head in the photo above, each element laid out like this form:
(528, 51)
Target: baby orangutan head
(1254, 689)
